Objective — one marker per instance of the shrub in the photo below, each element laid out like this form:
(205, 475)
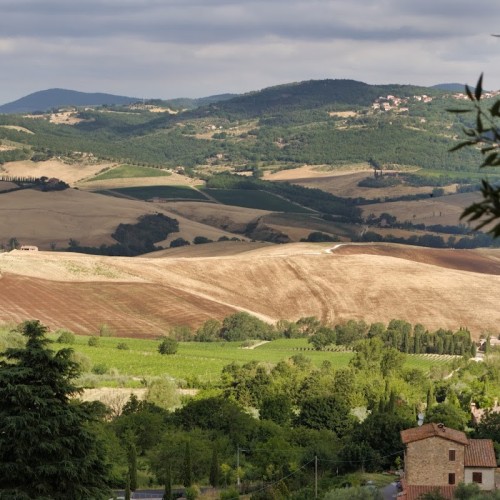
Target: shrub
(229, 494)
(209, 331)
(181, 332)
(66, 337)
(99, 369)
(318, 236)
(168, 346)
(200, 240)
(122, 346)
(163, 393)
(82, 360)
(12, 339)
(93, 341)
(105, 331)
(243, 326)
(192, 493)
(179, 242)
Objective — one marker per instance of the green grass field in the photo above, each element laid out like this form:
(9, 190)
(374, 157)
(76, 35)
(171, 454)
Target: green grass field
(203, 362)
(167, 192)
(255, 199)
(129, 171)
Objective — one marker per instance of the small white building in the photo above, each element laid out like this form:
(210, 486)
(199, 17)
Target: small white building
(29, 248)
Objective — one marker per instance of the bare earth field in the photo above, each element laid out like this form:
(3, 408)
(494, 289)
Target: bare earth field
(69, 173)
(316, 172)
(440, 210)
(38, 218)
(227, 217)
(344, 182)
(143, 296)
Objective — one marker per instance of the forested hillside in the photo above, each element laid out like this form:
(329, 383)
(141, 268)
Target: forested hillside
(318, 122)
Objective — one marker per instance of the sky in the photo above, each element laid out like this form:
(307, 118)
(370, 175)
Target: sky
(196, 48)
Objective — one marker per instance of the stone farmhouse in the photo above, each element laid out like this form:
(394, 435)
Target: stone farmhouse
(437, 457)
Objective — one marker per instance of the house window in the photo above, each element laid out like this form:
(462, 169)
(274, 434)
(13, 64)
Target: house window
(451, 455)
(477, 477)
(451, 478)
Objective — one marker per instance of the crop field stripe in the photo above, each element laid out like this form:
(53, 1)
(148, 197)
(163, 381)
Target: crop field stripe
(166, 192)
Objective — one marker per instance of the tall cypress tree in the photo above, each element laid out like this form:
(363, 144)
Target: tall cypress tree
(431, 399)
(132, 465)
(47, 447)
(167, 494)
(127, 487)
(215, 468)
(187, 473)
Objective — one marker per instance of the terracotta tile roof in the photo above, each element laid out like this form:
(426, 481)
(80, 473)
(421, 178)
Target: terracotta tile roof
(433, 430)
(414, 492)
(480, 453)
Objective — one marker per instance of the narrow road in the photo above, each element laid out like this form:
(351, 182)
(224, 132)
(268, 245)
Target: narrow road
(390, 491)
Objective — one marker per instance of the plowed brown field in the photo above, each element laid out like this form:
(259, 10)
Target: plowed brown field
(144, 296)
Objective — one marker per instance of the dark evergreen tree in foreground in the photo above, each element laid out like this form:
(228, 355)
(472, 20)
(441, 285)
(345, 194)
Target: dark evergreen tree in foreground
(47, 447)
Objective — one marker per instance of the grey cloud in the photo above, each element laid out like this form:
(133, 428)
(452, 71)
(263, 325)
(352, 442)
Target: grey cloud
(216, 21)
(167, 48)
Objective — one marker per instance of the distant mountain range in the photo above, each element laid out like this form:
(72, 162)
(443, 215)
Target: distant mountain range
(294, 94)
(46, 100)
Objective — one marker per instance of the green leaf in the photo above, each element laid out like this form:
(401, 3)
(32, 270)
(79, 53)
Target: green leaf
(489, 159)
(495, 109)
(469, 93)
(479, 124)
(479, 88)
(462, 145)
(470, 132)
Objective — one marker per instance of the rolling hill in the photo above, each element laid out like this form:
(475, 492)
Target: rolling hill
(45, 100)
(308, 95)
(144, 296)
(47, 219)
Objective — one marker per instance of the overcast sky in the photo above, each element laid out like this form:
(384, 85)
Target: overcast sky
(195, 48)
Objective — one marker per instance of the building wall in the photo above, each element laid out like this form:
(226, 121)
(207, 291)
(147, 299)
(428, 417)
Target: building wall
(488, 477)
(427, 462)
